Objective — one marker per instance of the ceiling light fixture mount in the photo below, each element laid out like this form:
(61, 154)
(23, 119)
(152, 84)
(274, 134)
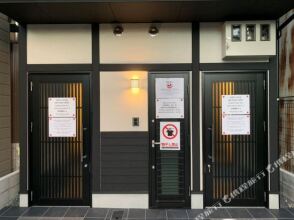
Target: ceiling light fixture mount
(118, 30)
(153, 30)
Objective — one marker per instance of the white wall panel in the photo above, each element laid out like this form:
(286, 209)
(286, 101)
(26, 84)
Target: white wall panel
(173, 44)
(59, 44)
(118, 103)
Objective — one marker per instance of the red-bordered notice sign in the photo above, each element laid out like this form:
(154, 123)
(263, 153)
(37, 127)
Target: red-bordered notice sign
(170, 136)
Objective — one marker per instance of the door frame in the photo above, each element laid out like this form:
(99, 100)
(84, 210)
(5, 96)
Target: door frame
(88, 200)
(151, 111)
(265, 73)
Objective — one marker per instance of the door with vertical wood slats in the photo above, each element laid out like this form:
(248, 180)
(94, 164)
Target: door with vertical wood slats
(231, 160)
(59, 166)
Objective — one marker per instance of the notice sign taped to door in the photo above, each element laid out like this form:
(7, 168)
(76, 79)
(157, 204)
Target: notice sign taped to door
(236, 125)
(169, 88)
(62, 127)
(169, 97)
(169, 108)
(170, 136)
(235, 104)
(236, 114)
(62, 117)
(62, 107)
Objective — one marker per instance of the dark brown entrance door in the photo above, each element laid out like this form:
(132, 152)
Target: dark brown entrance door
(232, 158)
(59, 160)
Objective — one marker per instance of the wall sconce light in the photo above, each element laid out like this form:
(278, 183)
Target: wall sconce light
(118, 30)
(135, 84)
(153, 30)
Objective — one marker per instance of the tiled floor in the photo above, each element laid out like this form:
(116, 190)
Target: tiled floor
(84, 213)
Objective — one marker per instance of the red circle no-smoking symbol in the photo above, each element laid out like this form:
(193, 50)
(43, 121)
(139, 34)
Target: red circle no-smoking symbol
(170, 131)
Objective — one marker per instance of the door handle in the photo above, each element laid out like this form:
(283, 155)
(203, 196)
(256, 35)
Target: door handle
(209, 166)
(155, 143)
(83, 157)
(211, 139)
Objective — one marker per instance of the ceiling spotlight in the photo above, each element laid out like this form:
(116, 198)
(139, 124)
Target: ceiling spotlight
(153, 30)
(118, 30)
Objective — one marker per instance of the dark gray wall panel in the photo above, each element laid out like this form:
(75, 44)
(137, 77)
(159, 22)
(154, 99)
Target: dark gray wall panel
(124, 162)
(5, 103)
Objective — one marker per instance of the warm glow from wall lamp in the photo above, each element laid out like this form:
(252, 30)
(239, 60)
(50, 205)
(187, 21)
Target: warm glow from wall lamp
(135, 85)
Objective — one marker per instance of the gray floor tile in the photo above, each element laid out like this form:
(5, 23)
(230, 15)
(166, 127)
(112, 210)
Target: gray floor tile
(156, 214)
(35, 211)
(266, 219)
(77, 212)
(260, 213)
(8, 218)
(110, 213)
(72, 218)
(56, 212)
(290, 210)
(193, 213)
(50, 218)
(219, 213)
(96, 212)
(137, 214)
(14, 211)
(281, 213)
(94, 218)
(177, 214)
(28, 218)
(4, 210)
(239, 213)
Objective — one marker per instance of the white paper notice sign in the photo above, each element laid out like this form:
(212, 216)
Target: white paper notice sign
(62, 127)
(169, 97)
(236, 114)
(236, 124)
(169, 88)
(170, 136)
(62, 107)
(235, 104)
(62, 117)
(169, 108)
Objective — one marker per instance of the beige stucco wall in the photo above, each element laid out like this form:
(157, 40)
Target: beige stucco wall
(173, 44)
(119, 103)
(59, 44)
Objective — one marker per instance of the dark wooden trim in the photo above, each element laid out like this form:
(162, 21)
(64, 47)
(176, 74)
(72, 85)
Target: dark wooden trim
(195, 109)
(95, 111)
(273, 110)
(146, 67)
(124, 134)
(46, 68)
(234, 66)
(23, 105)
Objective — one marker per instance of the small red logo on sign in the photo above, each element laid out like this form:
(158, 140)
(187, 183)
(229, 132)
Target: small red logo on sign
(169, 85)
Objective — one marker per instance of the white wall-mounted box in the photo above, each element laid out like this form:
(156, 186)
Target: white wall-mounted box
(255, 47)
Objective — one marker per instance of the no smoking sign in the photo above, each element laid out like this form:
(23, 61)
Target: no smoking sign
(170, 136)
